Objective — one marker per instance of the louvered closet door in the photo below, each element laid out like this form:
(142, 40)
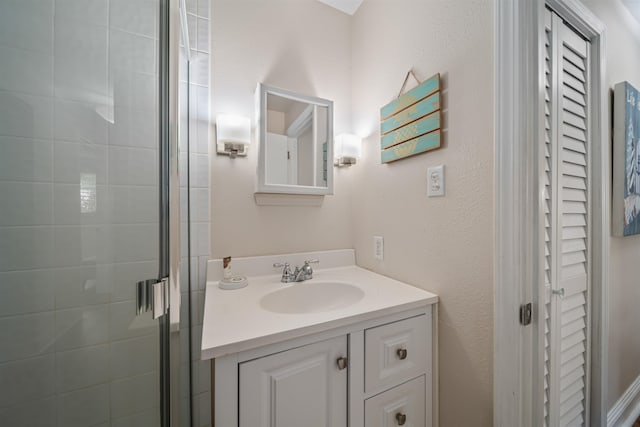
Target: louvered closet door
(567, 234)
(547, 180)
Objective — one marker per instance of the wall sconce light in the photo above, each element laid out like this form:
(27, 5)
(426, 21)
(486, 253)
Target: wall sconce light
(347, 149)
(233, 135)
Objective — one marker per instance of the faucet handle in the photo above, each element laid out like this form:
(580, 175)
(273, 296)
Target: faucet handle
(287, 274)
(308, 271)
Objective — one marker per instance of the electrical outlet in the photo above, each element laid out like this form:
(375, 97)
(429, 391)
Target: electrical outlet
(435, 181)
(378, 247)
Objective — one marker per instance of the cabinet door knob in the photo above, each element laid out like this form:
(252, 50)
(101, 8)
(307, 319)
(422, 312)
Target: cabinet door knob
(402, 354)
(401, 419)
(342, 363)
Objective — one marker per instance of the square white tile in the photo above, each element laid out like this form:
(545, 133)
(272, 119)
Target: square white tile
(200, 205)
(24, 292)
(77, 287)
(81, 59)
(82, 368)
(203, 8)
(135, 356)
(124, 324)
(197, 307)
(26, 71)
(203, 34)
(202, 267)
(94, 12)
(82, 327)
(148, 418)
(86, 407)
(134, 90)
(26, 248)
(25, 159)
(199, 170)
(133, 166)
(25, 115)
(83, 245)
(27, 379)
(138, 16)
(27, 24)
(26, 203)
(80, 204)
(78, 162)
(26, 336)
(82, 122)
(134, 395)
(137, 242)
(133, 205)
(134, 128)
(23, 415)
(132, 52)
(200, 70)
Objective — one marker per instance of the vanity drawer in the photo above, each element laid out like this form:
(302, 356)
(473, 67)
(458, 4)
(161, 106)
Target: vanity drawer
(396, 352)
(401, 406)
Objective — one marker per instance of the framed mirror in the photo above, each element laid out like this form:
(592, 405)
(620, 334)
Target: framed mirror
(295, 136)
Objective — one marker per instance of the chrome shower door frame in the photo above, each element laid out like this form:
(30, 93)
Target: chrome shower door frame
(169, 51)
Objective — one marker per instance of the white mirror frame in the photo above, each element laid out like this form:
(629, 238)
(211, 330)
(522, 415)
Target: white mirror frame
(261, 131)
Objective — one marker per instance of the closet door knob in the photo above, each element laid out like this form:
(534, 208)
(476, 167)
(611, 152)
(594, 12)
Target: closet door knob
(402, 354)
(342, 363)
(401, 419)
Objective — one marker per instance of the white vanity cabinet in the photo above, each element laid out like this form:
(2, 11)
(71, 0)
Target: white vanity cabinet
(377, 372)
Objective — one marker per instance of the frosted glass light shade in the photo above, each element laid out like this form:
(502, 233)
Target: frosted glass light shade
(233, 135)
(233, 129)
(347, 149)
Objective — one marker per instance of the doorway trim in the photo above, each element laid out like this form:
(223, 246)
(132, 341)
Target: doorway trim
(519, 79)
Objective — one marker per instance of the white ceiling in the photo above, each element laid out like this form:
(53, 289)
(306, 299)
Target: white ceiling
(347, 6)
(634, 8)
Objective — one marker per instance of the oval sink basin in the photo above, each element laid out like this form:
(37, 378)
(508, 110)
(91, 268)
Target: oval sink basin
(312, 297)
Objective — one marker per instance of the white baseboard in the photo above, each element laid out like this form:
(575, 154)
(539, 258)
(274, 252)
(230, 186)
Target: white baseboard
(627, 409)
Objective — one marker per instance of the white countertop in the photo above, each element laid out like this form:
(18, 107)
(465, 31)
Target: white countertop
(234, 320)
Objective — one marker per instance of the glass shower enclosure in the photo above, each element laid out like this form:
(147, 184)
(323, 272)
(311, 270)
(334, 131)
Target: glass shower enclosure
(88, 208)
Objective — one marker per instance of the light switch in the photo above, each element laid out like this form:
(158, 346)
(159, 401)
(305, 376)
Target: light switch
(435, 181)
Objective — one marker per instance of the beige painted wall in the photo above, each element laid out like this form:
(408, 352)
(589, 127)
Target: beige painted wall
(441, 244)
(623, 63)
(300, 45)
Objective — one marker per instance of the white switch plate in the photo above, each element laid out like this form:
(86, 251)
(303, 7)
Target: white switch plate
(435, 181)
(378, 247)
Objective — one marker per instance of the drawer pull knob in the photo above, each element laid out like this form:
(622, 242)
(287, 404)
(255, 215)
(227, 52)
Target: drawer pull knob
(402, 354)
(342, 363)
(401, 419)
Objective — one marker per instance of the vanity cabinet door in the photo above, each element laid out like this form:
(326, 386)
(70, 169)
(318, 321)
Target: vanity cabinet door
(305, 386)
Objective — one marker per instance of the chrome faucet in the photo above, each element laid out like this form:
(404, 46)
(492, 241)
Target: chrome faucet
(300, 274)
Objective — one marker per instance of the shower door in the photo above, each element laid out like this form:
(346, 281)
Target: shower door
(84, 212)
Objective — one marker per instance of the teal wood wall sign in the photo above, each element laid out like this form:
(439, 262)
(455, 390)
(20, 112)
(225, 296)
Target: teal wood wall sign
(411, 124)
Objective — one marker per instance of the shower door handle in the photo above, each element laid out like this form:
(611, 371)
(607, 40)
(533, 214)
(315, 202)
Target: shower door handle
(152, 295)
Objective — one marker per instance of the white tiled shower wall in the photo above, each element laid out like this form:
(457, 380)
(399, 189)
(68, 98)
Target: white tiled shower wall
(78, 121)
(78, 218)
(198, 154)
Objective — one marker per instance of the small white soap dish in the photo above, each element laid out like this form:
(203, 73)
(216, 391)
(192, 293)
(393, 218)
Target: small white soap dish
(235, 282)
